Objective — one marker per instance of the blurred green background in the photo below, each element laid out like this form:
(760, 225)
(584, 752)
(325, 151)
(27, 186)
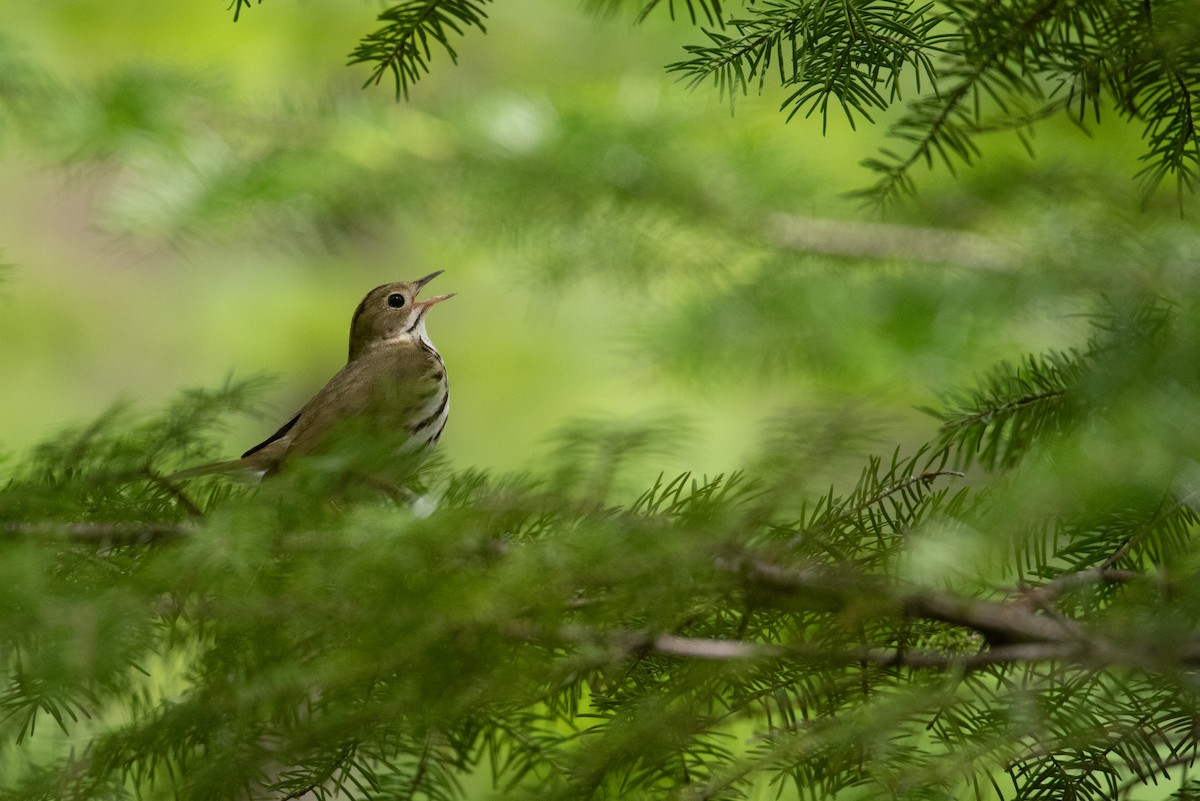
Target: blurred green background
(186, 198)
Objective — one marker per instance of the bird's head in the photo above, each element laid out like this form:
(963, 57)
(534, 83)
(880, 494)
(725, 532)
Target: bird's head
(391, 313)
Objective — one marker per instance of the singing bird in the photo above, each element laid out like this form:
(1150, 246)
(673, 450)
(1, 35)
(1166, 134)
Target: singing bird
(394, 374)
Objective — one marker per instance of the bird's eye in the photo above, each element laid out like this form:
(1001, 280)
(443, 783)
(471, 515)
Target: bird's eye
(396, 300)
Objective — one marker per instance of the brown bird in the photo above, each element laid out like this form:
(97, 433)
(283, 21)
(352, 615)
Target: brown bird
(394, 377)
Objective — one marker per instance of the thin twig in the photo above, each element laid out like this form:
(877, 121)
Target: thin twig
(103, 533)
(184, 501)
(882, 241)
(712, 649)
(344, 755)
(1170, 504)
(1043, 595)
(1003, 624)
(879, 497)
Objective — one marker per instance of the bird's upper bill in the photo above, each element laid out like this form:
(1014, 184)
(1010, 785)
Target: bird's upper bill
(421, 282)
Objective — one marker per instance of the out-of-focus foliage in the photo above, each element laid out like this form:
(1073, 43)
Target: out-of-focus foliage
(968, 68)
(703, 638)
(971, 68)
(999, 601)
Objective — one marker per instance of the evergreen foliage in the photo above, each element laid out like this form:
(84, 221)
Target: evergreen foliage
(1005, 611)
(705, 637)
(402, 46)
(972, 67)
(962, 69)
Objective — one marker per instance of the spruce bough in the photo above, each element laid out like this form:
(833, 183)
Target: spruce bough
(704, 638)
(960, 70)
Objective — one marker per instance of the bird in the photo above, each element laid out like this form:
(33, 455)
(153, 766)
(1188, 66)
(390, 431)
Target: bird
(393, 377)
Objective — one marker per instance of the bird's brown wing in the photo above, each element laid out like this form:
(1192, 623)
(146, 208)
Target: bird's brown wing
(394, 377)
(388, 383)
(283, 429)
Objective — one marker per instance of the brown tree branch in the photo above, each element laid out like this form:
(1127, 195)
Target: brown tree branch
(1041, 596)
(1013, 630)
(885, 241)
(97, 533)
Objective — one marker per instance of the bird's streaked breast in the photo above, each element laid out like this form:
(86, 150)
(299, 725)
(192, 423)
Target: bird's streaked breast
(429, 419)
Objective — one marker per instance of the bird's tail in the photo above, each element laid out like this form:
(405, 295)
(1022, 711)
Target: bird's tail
(208, 470)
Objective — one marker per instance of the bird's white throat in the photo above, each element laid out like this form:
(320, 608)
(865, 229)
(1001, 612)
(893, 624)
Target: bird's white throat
(415, 334)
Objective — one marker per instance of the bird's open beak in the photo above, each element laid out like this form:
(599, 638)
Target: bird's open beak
(421, 282)
(425, 304)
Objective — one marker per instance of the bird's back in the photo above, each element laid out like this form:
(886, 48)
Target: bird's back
(399, 387)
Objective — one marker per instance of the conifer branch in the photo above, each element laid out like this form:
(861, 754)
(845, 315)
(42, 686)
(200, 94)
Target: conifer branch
(402, 46)
(571, 646)
(711, 10)
(996, 423)
(1044, 594)
(98, 533)
(937, 124)
(301, 786)
(238, 5)
(1001, 624)
(974, 67)
(1172, 512)
(886, 241)
(852, 53)
(874, 490)
(717, 650)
